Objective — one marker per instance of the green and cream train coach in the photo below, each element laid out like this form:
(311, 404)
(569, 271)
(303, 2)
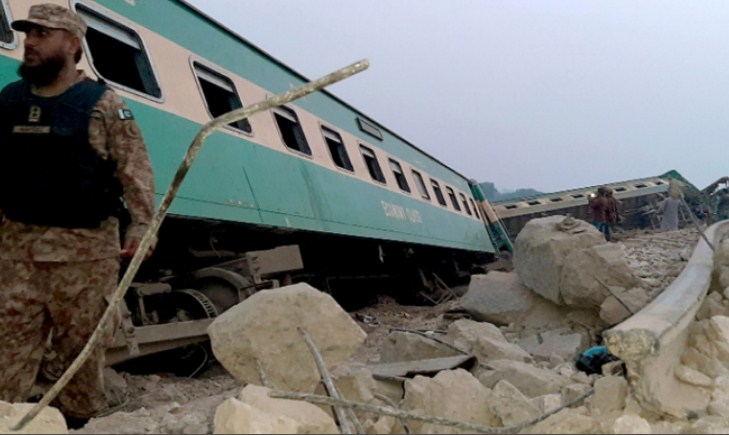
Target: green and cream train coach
(315, 190)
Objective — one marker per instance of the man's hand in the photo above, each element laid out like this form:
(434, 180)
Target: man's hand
(131, 245)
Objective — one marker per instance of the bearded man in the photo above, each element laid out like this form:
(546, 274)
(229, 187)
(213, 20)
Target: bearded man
(70, 152)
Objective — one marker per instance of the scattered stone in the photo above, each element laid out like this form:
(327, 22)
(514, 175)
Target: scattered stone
(631, 424)
(712, 306)
(454, 394)
(610, 394)
(531, 381)
(567, 421)
(485, 341)
(511, 406)
(235, 417)
(263, 328)
(405, 346)
(614, 311)
(498, 298)
(546, 346)
(693, 377)
(50, 420)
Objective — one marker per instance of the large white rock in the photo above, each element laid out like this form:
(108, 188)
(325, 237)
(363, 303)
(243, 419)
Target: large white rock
(511, 406)
(610, 395)
(563, 344)
(309, 418)
(50, 420)
(453, 394)
(541, 248)
(567, 421)
(583, 270)
(484, 340)
(631, 424)
(234, 417)
(498, 298)
(263, 328)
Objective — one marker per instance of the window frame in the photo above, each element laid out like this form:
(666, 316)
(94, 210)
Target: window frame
(475, 208)
(362, 148)
(284, 108)
(399, 176)
(438, 193)
(324, 129)
(464, 203)
(8, 19)
(128, 26)
(454, 199)
(420, 184)
(196, 63)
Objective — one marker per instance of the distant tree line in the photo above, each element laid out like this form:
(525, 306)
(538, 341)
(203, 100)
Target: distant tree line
(492, 193)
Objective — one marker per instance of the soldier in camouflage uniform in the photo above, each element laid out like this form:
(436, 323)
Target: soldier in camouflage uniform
(70, 150)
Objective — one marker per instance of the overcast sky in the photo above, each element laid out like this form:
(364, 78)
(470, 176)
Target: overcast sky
(545, 94)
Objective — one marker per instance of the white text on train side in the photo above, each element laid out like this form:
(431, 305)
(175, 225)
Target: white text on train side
(402, 213)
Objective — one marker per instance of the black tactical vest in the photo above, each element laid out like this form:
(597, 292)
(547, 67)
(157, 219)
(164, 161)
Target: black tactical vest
(49, 174)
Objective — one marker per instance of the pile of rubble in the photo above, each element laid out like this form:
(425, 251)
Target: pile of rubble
(509, 364)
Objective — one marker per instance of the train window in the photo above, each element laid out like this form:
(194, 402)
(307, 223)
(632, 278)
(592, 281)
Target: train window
(290, 129)
(337, 149)
(438, 193)
(220, 95)
(373, 165)
(7, 37)
(421, 185)
(369, 128)
(475, 209)
(639, 186)
(117, 54)
(452, 196)
(399, 175)
(659, 182)
(465, 203)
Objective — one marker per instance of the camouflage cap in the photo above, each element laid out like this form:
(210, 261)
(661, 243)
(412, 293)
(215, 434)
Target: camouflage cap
(53, 17)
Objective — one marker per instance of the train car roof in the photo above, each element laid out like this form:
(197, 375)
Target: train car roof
(304, 78)
(670, 174)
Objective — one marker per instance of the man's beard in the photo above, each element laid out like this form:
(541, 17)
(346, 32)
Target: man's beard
(44, 73)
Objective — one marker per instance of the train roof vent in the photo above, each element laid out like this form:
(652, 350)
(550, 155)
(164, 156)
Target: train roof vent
(639, 186)
(659, 182)
(620, 189)
(511, 206)
(535, 202)
(578, 195)
(555, 199)
(369, 128)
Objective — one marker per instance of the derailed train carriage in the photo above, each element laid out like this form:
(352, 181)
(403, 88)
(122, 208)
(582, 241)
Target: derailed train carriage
(638, 199)
(314, 191)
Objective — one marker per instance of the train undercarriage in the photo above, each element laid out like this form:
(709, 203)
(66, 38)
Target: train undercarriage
(203, 268)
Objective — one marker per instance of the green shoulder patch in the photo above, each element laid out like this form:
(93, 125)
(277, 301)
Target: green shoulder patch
(125, 114)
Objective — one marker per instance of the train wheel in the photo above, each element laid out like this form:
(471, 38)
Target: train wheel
(190, 304)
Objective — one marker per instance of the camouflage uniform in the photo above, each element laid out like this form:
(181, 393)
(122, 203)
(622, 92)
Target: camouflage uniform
(56, 280)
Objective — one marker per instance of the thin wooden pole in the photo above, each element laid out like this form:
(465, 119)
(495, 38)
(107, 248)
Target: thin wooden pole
(328, 382)
(149, 236)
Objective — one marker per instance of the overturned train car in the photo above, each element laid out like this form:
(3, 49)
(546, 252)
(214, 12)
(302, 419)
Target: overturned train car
(315, 191)
(638, 199)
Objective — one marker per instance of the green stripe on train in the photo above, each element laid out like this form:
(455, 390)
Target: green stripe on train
(233, 179)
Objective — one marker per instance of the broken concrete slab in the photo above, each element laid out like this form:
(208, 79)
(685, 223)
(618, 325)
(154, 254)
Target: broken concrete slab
(565, 345)
(541, 248)
(423, 367)
(566, 421)
(454, 394)
(484, 340)
(614, 311)
(631, 424)
(405, 346)
(235, 417)
(610, 395)
(530, 380)
(511, 405)
(263, 328)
